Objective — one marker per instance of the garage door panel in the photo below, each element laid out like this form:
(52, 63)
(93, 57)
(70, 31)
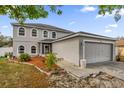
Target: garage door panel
(97, 52)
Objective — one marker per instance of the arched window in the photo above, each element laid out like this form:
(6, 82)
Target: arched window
(21, 49)
(34, 32)
(21, 31)
(53, 34)
(45, 33)
(33, 49)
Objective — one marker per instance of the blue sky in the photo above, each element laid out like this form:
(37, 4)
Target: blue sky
(75, 18)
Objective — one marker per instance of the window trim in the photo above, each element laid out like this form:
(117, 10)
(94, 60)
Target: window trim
(18, 49)
(31, 49)
(43, 34)
(24, 32)
(52, 35)
(31, 33)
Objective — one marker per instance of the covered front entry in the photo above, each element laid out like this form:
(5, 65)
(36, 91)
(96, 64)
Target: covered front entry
(98, 52)
(46, 48)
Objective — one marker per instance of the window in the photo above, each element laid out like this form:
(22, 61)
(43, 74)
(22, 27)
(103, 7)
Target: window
(21, 49)
(45, 33)
(33, 49)
(21, 31)
(34, 32)
(53, 34)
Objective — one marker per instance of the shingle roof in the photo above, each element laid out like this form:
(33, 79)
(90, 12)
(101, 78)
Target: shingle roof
(102, 36)
(43, 26)
(85, 34)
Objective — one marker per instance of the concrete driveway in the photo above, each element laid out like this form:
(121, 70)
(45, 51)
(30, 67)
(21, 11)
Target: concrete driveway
(119, 65)
(113, 68)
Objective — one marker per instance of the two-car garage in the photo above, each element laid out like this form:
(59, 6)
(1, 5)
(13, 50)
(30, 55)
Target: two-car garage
(98, 52)
(84, 48)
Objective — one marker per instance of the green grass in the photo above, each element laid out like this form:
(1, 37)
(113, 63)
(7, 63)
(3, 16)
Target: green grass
(13, 75)
(3, 59)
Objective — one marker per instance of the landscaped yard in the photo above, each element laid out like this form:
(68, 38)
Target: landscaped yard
(16, 75)
(3, 59)
(21, 75)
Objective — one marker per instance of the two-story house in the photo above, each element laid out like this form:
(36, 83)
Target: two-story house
(78, 48)
(35, 39)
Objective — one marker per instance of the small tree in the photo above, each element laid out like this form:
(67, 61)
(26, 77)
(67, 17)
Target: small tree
(51, 60)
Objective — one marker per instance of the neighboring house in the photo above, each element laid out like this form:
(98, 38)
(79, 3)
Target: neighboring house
(40, 39)
(4, 50)
(120, 47)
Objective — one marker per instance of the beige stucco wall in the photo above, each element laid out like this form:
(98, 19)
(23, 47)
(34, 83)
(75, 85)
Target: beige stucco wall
(28, 36)
(27, 41)
(68, 49)
(121, 50)
(27, 46)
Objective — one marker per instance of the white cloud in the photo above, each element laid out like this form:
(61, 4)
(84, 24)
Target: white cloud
(88, 9)
(72, 22)
(3, 27)
(108, 30)
(98, 16)
(122, 12)
(113, 25)
(108, 15)
(104, 16)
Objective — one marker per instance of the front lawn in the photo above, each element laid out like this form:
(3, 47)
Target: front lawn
(3, 59)
(19, 75)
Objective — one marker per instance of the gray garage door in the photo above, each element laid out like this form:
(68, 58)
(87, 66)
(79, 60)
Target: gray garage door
(97, 52)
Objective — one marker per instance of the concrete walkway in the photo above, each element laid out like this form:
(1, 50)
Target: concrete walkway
(112, 68)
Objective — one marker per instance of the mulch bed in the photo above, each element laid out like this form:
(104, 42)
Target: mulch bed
(40, 62)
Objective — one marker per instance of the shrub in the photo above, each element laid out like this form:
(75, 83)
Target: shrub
(24, 57)
(3, 59)
(8, 54)
(50, 60)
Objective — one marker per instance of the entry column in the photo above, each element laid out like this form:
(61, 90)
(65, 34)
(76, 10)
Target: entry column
(83, 60)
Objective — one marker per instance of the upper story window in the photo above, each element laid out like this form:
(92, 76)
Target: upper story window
(53, 34)
(21, 31)
(21, 49)
(34, 32)
(45, 34)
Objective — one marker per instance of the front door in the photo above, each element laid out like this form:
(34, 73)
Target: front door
(46, 48)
